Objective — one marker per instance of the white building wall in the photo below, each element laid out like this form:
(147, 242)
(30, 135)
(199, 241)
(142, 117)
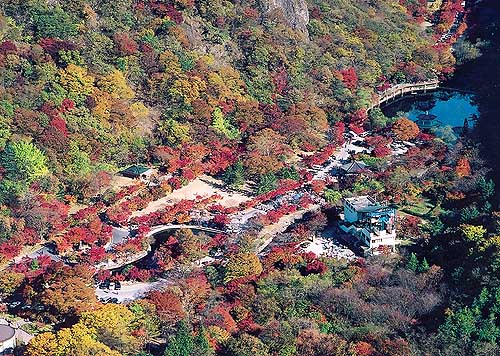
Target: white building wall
(7, 344)
(383, 238)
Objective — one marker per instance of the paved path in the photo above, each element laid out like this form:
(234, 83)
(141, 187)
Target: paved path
(20, 335)
(341, 156)
(459, 18)
(321, 246)
(121, 234)
(271, 231)
(44, 250)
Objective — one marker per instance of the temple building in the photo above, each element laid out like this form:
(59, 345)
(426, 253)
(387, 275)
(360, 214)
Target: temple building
(354, 167)
(348, 173)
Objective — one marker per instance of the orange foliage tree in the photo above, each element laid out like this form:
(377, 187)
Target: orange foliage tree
(168, 306)
(266, 152)
(405, 129)
(463, 167)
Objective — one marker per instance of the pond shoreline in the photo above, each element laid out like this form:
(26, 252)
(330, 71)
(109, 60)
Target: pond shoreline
(450, 110)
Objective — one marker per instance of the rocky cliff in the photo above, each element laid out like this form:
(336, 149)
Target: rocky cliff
(294, 11)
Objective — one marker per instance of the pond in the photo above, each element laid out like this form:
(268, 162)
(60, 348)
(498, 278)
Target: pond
(451, 108)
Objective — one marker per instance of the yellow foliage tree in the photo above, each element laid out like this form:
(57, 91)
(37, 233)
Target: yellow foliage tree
(101, 104)
(171, 65)
(242, 265)
(112, 325)
(188, 89)
(44, 344)
(107, 331)
(9, 281)
(492, 242)
(115, 84)
(473, 232)
(226, 85)
(75, 341)
(77, 83)
(218, 334)
(139, 110)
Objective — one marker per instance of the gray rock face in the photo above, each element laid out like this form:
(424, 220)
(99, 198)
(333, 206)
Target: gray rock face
(222, 53)
(294, 11)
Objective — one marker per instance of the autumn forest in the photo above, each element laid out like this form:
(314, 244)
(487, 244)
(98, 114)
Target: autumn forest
(176, 178)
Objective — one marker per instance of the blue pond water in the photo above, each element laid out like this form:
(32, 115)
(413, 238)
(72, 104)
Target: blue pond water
(451, 108)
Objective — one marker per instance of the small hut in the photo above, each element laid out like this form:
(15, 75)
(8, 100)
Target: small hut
(136, 171)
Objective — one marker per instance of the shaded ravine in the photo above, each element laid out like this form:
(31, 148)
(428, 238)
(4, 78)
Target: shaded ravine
(482, 76)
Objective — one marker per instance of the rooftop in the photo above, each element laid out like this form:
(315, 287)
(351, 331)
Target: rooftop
(363, 203)
(427, 120)
(134, 171)
(6, 332)
(427, 116)
(354, 167)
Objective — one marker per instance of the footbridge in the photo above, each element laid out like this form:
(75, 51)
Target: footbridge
(161, 228)
(399, 90)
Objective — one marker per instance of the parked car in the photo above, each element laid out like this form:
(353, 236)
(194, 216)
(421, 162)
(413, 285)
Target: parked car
(118, 285)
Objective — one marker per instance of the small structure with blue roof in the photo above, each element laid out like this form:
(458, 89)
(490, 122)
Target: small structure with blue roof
(427, 121)
(137, 171)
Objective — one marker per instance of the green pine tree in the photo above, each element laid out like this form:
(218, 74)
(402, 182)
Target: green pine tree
(424, 266)
(184, 339)
(488, 331)
(228, 175)
(172, 348)
(201, 345)
(289, 173)
(486, 188)
(435, 227)
(460, 325)
(239, 174)
(267, 182)
(235, 175)
(412, 264)
(182, 343)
